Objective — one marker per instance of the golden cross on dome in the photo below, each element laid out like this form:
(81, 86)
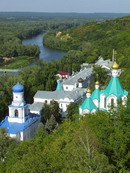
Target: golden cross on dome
(97, 76)
(97, 82)
(115, 55)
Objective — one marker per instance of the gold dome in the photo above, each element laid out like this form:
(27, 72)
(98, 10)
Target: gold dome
(115, 66)
(97, 83)
(88, 90)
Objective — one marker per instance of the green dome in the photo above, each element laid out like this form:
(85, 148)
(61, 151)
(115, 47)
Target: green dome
(59, 87)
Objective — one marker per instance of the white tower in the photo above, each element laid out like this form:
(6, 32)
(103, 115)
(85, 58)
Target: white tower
(96, 94)
(80, 83)
(18, 110)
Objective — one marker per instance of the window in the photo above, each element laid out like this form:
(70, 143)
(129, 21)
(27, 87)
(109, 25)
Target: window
(120, 101)
(66, 87)
(45, 101)
(61, 105)
(16, 113)
(104, 102)
(112, 103)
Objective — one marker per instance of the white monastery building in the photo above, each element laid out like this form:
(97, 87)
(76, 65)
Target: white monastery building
(67, 91)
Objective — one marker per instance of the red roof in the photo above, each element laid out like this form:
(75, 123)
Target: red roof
(64, 77)
(63, 73)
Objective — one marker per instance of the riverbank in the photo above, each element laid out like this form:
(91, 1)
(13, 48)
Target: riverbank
(18, 62)
(46, 53)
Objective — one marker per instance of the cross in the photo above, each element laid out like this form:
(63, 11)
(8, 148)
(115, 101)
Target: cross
(97, 76)
(88, 83)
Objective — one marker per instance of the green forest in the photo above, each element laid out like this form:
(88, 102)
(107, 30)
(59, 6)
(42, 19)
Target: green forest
(18, 27)
(98, 143)
(86, 43)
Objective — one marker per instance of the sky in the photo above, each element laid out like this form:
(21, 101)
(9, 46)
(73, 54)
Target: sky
(79, 6)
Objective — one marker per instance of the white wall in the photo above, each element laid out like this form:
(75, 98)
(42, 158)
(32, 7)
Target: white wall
(108, 100)
(18, 99)
(96, 102)
(102, 100)
(68, 87)
(22, 112)
(43, 100)
(124, 100)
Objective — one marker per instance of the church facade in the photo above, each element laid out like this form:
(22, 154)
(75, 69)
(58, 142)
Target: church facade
(105, 99)
(21, 123)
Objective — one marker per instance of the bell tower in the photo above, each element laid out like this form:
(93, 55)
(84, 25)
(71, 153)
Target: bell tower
(18, 110)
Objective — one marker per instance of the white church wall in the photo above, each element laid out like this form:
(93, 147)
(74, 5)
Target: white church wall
(18, 99)
(93, 111)
(12, 135)
(63, 106)
(80, 111)
(102, 101)
(22, 112)
(36, 112)
(47, 101)
(86, 111)
(96, 102)
(124, 100)
(109, 101)
(17, 120)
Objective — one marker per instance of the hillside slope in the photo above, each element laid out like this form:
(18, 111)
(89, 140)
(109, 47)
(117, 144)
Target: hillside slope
(97, 39)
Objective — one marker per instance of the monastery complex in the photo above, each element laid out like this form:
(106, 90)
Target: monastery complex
(23, 118)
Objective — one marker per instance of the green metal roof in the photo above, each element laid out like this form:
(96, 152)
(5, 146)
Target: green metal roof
(59, 87)
(88, 104)
(114, 87)
(96, 94)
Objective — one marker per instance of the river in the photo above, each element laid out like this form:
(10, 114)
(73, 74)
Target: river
(46, 54)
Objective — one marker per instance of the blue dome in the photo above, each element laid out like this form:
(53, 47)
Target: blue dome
(18, 88)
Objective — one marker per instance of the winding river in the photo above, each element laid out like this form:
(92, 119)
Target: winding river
(46, 54)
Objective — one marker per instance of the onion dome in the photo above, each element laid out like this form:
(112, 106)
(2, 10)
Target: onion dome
(59, 86)
(97, 83)
(89, 90)
(115, 66)
(80, 80)
(18, 88)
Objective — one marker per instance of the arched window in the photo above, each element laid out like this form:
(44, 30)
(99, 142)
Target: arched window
(112, 103)
(120, 102)
(104, 102)
(16, 113)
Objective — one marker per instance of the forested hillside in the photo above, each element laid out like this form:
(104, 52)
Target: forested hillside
(96, 39)
(97, 143)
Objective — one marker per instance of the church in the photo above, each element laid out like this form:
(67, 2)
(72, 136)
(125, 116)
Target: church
(107, 98)
(21, 123)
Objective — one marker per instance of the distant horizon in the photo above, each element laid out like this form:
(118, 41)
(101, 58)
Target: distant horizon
(64, 12)
(66, 6)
